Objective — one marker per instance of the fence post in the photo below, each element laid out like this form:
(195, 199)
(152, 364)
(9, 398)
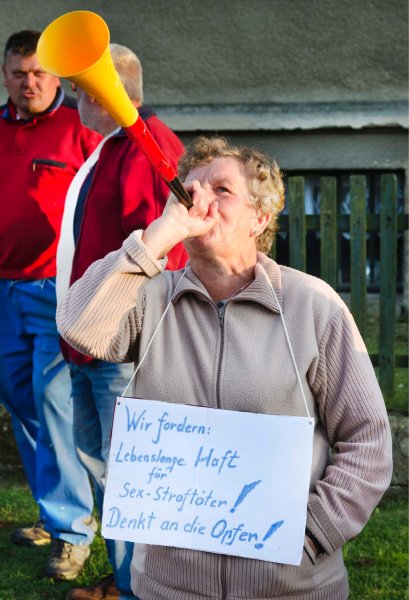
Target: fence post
(296, 223)
(358, 250)
(387, 301)
(328, 230)
(273, 249)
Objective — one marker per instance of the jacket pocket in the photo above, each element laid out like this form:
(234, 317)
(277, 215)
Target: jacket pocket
(47, 162)
(309, 552)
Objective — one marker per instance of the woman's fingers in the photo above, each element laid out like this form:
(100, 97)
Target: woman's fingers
(202, 198)
(199, 219)
(202, 222)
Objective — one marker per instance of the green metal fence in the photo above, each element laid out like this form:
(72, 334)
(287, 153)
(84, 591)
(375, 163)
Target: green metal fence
(329, 223)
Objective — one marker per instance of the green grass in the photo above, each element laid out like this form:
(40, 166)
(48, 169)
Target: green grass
(21, 568)
(376, 560)
(399, 402)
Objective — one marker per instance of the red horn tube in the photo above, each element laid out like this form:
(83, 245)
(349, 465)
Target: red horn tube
(140, 134)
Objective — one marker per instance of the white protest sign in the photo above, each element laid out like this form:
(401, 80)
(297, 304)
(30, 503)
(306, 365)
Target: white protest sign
(206, 479)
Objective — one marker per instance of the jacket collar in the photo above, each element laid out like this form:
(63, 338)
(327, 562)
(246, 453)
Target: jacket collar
(10, 112)
(258, 291)
(144, 112)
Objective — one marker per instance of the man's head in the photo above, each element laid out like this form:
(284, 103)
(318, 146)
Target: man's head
(129, 69)
(30, 88)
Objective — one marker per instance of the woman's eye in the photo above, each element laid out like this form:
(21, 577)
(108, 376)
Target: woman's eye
(222, 189)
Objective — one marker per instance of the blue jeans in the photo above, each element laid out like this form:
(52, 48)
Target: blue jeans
(95, 386)
(35, 389)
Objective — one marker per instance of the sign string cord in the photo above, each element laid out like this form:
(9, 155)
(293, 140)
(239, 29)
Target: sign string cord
(289, 344)
(154, 333)
(284, 326)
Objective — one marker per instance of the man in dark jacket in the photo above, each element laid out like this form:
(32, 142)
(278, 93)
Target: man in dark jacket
(42, 146)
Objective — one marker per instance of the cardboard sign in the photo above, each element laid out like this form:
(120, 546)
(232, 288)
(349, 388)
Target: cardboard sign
(205, 479)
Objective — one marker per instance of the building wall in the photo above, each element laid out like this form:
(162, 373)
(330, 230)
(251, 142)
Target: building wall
(238, 52)
(265, 67)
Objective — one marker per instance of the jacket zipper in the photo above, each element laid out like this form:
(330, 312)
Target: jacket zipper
(221, 306)
(220, 311)
(48, 163)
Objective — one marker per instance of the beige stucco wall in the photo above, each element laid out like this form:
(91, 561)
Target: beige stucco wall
(267, 68)
(257, 51)
(262, 67)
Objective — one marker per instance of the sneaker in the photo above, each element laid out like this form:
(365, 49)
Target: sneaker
(37, 536)
(31, 536)
(66, 560)
(103, 590)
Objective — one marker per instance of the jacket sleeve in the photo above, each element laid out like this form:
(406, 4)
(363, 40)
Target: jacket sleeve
(98, 316)
(353, 412)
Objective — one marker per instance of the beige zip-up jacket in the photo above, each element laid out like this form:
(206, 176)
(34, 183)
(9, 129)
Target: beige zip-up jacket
(239, 359)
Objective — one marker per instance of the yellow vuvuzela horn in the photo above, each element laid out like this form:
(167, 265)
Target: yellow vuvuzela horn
(76, 47)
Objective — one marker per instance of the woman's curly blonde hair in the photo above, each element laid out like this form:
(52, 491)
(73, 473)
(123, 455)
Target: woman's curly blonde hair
(264, 178)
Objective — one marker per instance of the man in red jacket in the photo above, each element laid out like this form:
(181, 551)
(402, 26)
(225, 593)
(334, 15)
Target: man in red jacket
(42, 146)
(116, 191)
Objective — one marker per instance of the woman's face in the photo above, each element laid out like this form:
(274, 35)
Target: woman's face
(224, 180)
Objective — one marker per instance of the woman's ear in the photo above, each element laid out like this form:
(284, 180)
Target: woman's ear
(260, 223)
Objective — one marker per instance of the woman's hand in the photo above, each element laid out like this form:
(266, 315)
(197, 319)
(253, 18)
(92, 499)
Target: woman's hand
(177, 223)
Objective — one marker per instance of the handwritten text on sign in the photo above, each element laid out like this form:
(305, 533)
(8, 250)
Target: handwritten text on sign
(214, 480)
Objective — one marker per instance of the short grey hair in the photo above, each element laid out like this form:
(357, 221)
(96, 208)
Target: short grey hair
(129, 70)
